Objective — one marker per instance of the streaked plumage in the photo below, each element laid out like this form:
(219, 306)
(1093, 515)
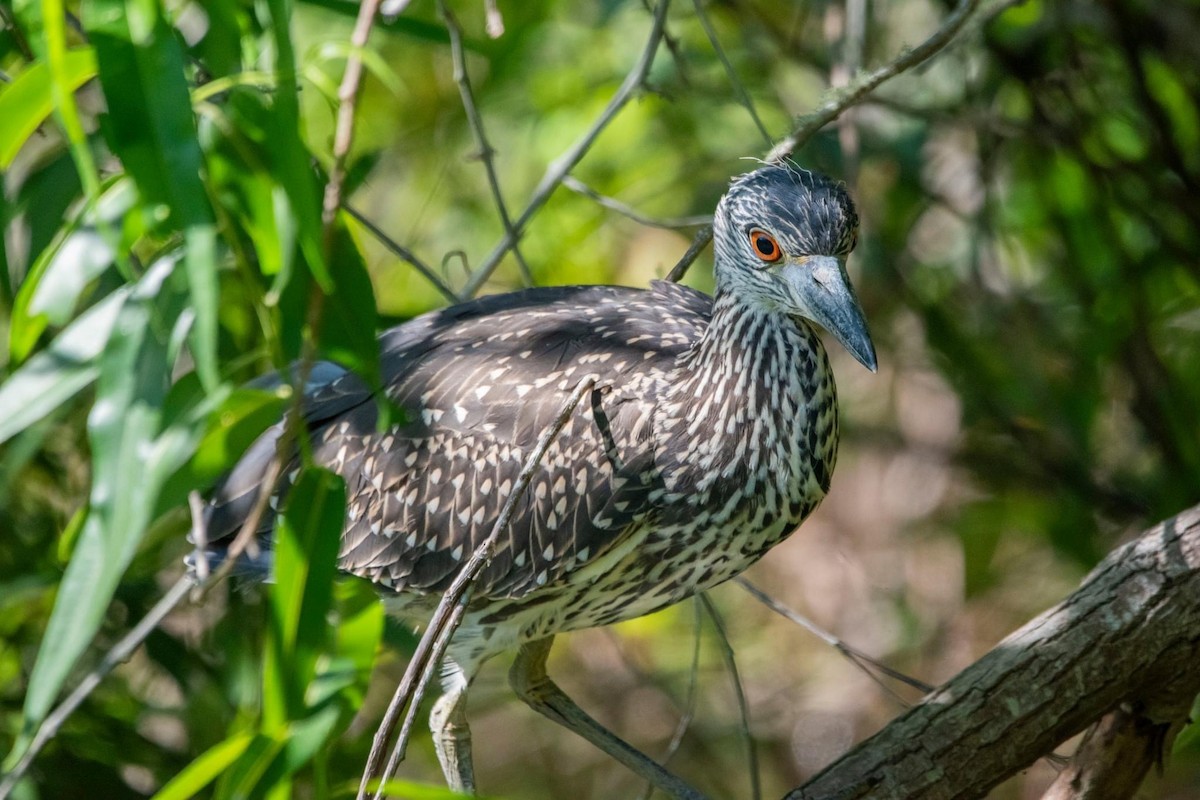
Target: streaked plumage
(711, 433)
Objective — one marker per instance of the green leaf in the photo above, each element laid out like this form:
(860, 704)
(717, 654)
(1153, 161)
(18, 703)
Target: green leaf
(229, 429)
(27, 102)
(152, 129)
(205, 769)
(54, 21)
(63, 270)
(133, 454)
(307, 538)
(295, 162)
(350, 320)
(242, 167)
(406, 789)
(122, 425)
(303, 740)
(245, 773)
(55, 375)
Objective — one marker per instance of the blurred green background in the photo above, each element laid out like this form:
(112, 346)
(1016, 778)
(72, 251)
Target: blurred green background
(1029, 263)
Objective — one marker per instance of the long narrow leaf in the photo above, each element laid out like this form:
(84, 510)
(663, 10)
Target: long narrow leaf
(293, 157)
(55, 375)
(62, 90)
(153, 131)
(122, 426)
(65, 267)
(205, 769)
(306, 545)
(28, 101)
(134, 454)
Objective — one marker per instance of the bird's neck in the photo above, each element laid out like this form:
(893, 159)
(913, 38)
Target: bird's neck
(756, 408)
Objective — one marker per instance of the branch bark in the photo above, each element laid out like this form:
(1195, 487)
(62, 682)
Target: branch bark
(1128, 639)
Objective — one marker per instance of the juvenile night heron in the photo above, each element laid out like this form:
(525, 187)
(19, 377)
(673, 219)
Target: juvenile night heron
(710, 434)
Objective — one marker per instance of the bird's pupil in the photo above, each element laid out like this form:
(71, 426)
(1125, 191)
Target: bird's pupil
(765, 245)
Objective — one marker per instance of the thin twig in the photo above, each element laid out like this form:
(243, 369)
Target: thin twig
(418, 694)
(863, 85)
(676, 51)
(739, 693)
(853, 30)
(859, 658)
(475, 120)
(703, 237)
(671, 223)
(446, 617)
(856, 92)
(689, 704)
(343, 137)
(121, 651)
(343, 133)
(116, 656)
(403, 253)
(730, 72)
(18, 36)
(567, 161)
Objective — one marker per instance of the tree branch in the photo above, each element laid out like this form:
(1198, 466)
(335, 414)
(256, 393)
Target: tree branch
(567, 161)
(1131, 630)
(850, 95)
(859, 88)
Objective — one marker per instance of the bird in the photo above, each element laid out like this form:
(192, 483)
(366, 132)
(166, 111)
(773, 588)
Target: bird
(707, 433)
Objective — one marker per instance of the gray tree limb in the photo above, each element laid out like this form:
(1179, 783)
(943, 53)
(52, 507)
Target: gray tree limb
(1128, 641)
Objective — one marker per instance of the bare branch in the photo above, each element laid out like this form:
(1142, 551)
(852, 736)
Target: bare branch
(452, 605)
(671, 223)
(689, 703)
(730, 72)
(860, 659)
(567, 161)
(864, 84)
(1116, 755)
(703, 237)
(403, 253)
(1131, 629)
(735, 678)
(486, 151)
(856, 92)
(343, 133)
(119, 653)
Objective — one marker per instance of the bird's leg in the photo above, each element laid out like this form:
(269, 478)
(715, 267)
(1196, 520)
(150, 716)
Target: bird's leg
(451, 734)
(531, 683)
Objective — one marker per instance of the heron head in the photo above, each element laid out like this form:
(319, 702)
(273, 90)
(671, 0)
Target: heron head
(781, 238)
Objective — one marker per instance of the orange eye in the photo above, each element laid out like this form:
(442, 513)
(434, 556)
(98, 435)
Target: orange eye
(765, 246)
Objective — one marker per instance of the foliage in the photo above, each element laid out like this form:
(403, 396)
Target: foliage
(1028, 264)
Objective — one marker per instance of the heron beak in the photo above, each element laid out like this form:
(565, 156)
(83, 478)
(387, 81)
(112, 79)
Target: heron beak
(822, 292)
